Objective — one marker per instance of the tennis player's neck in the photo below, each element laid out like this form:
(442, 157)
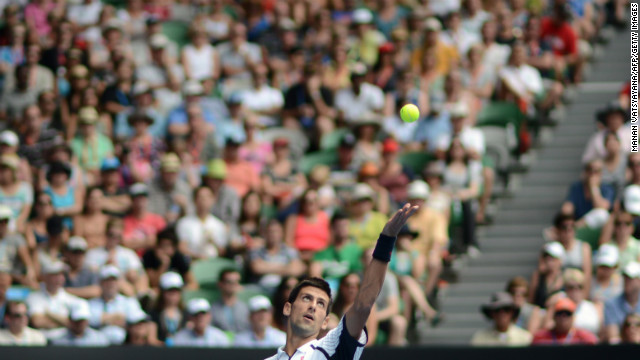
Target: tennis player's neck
(295, 342)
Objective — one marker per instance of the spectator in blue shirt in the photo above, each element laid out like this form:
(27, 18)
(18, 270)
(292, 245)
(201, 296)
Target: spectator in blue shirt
(178, 119)
(79, 333)
(589, 200)
(261, 335)
(616, 309)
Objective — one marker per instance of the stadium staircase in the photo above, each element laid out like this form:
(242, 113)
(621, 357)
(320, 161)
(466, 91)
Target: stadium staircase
(510, 246)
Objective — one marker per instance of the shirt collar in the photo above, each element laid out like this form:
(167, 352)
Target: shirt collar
(302, 350)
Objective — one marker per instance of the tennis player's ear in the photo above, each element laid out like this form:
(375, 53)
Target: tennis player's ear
(325, 323)
(286, 311)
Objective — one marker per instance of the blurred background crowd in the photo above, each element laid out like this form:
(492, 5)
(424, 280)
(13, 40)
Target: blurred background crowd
(169, 169)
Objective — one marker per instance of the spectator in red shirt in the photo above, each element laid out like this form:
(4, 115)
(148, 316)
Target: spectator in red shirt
(563, 331)
(141, 226)
(557, 32)
(241, 174)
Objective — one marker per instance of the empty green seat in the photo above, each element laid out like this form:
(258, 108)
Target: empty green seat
(590, 236)
(500, 113)
(416, 161)
(210, 295)
(309, 161)
(331, 141)
(207, 271)
(176, 31)
(249, 292)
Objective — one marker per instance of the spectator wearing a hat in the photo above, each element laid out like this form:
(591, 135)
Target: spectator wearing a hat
(126, 124)
(547, 279)
(369, 174)
(125, 259)
(277, 259)
(502, 311)
(364, 222)
(630, 331)
(141, 225)
(166, 256)
(18, 332)
(263, 100)
(109, 311)
(360, 98)
(591, 211)
(35, 138)
(607, 281)
(227, 201)
(564, 330)
(202, 235)
(169, 195)
(178, 119)
(627, 245)
(445, 55)
(237, 56)
(341, 257)
(49, 307)
(202, 334)
(141, 331)
(78, 332)
(616, 309)
(200, 60)
(613, 117)
(262, 334)
(9, 145)
(229, 312)
(90, 146)
(16, 194)
(168, 313)
(66, 197)
(367, 38)
(116, 200)
(241, 175)
(79, 279)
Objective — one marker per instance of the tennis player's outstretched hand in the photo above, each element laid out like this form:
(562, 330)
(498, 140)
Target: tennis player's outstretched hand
(397, 221)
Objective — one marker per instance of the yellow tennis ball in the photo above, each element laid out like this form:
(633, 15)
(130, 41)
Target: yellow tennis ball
(409, 113)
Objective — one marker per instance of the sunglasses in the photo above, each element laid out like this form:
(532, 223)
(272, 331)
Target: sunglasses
(573, 287)
(632, 323)
(503, 310)
(564, 313)
(625, 223)
(565, 227)
(231, 282)
(18, 315)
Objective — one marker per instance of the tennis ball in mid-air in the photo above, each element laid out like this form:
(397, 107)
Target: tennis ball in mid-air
(409, 113)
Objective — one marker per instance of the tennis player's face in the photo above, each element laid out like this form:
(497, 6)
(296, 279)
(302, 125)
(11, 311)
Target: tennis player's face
(308, 313)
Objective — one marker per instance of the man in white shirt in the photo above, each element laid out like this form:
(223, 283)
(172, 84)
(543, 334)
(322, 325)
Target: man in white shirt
(457, 36)
(202, 334)
(109, 311)
(309, 304)
(613, 117)
(261, 335)
(85, 14)
(17, 332)
(361, 97)
(472, 138)
(49, 307)
(264, 100)
(495, 55)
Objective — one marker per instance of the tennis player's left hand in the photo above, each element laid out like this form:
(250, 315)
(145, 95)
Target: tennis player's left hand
(397, 221)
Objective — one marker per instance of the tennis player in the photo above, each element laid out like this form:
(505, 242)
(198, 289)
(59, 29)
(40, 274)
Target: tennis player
(309, 304)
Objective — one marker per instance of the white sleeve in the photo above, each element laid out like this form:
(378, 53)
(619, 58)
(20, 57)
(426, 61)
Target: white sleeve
(339, 344)
(36, 304)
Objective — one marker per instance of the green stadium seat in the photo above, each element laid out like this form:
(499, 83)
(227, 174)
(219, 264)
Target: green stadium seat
(416, 161)
(207, 271)
(210, 295)
(309, 161)
(332, 140)
(590, 236)
(176, 31)
(500, 114)
(249, 292)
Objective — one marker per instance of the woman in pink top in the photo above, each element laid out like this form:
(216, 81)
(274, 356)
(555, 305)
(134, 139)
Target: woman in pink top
(37, 12)
(308, 231)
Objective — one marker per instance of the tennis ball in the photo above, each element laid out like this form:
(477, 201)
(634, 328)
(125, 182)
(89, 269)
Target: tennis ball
(409, 113)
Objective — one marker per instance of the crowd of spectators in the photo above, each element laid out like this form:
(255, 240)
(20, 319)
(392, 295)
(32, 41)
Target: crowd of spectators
(143, 140)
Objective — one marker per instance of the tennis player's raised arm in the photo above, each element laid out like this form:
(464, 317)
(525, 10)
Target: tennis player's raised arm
(374, 275)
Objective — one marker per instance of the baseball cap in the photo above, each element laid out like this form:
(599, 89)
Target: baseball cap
(362, 16)
(138, 189)
(199, 305)
(80, 312)
(170, 162)
(386, 48)
(108, 272)
(55, 267)
(259, 302)
(109, 164)
(631, 199)
(459, 110)
(79, 71)
(235, 98)
(287, 24)
(418, 189)
(136, 316)
(192, 88)
(361, 192)
(10, 138)
(77, 243)
(432, 24)
(88, 115)
(140, 87)
(348, 141)
(358, 69)
(5, 212)
(554, 249)
(171, 280)
(608, 255)
(216, 169)
(632, 270)
(565, 304)
(158, 41)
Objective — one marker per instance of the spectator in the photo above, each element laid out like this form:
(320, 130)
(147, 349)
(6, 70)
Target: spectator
(201, 139)
(495, 55)
(565, 48)
(432, 233)
(365, 128)
(92, 222)
(319, 181)
(275, 260)
(393, 175)
(587, 316)
(202, 235)
(79, 279)
(169, 194)
(613, 118)
(346, 294)
(457, 36)
(166, 257)
(202, 334)
(49, 307)
(9, 143)
(364, 222)
(251, 222)
(5, 283)
(66, 198)
(142, 148)
(360, 98)
(229, 312)
(282, 181)
(308, 231)
(16, 194)
(13, 103)
(90, 147)
(79, 333)
(125, 259)
(577, 252)
(40, 77)
(280, 297)
(529, 315)
(36, 229)
(340, 258)
(51, 250)
(141, 225)
(200, 59)
(262, 334)
(547, 279)
(439, 199)
(140, 330)
(445, 56)
(237, 57)
(614, 164)
(502, 310)
(168, 313)
(241, 175)
(627, 245)
(178, 122)
(564, 331)
(607, 282)
(343, 177)
(591, 210)
(630, 332)
(309, 103)
(18, 333)
(116, 199)
(476, 76)
(12, 249)
(227, 202)
(616, 309)
(261, 99)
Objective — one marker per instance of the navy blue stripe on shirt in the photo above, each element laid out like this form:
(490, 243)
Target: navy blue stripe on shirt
(323, 351)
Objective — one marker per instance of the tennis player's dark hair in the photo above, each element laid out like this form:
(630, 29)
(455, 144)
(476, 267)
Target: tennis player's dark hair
(312, 282)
